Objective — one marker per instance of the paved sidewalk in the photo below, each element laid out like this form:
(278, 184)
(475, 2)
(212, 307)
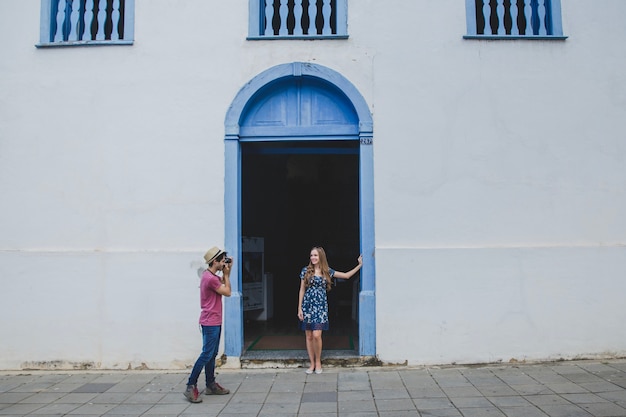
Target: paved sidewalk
(564, 389)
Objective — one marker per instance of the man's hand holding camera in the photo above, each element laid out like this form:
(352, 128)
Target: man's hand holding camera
(228, 263)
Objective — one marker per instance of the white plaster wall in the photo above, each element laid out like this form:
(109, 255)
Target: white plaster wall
(116, 310)
(475, 305)
(499, 191)
(499, 181)
(112, 182)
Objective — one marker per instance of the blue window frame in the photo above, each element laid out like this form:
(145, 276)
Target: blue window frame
(298, 19)
(87, 22)
(514, 19)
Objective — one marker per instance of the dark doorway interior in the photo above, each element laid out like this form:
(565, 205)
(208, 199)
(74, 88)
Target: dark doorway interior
(296, 195)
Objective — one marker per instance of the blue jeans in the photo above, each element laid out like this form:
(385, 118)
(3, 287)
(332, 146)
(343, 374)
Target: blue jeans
(206, 360)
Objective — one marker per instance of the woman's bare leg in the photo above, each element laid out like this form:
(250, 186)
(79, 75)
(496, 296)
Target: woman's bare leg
(310, 348)
(317, 348)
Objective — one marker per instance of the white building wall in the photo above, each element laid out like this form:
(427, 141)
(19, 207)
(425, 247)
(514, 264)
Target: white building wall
(499, 182)
(498, 234)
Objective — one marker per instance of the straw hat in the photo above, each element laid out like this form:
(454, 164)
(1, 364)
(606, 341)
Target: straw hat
(212, 253)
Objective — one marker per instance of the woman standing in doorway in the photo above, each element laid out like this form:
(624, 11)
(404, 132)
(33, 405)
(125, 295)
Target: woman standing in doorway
(315, 282)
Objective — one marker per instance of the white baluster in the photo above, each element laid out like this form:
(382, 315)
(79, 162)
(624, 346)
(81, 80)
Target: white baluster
(326, 10)
(102, 17)
(283, 12)
(500, 12)
(115, 18)
(88, 20)
(73, 34)
(528, 14)
(487, 17)
(514, 23)
(269, 17)
(297, 14)
(58, 36)
(312, 29)
(541, 11)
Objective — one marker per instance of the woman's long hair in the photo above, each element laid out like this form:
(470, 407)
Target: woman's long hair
(323, 263)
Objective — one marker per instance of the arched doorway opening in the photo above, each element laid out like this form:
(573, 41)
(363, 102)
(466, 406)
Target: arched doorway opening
(293, 131)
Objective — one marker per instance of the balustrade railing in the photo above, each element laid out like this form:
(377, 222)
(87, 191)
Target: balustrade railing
(86, 21)
(514, 18)
(298, 18)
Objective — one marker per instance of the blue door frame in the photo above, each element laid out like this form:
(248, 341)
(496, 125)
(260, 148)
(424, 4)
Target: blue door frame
(253, 98)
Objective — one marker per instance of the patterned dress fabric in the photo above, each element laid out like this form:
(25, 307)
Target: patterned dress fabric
(315, 303)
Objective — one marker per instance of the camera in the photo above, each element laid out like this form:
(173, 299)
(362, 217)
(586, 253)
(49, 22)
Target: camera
(228, 260)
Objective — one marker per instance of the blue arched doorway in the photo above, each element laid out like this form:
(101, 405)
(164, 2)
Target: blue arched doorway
(300, 104)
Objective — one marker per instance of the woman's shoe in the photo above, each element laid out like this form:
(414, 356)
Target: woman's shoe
(309, 371)
(318, 371)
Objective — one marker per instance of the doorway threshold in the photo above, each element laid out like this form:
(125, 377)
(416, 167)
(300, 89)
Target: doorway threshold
(298, 358)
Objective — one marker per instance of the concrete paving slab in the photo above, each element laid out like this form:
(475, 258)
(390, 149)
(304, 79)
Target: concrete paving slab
(572, 389)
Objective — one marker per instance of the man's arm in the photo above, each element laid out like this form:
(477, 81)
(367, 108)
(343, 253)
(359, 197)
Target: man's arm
(224, 289)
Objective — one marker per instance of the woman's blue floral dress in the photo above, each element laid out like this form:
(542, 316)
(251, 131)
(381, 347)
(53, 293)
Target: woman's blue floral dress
(315, 303)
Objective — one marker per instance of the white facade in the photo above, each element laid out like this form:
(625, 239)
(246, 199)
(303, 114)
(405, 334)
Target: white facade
(499, 166)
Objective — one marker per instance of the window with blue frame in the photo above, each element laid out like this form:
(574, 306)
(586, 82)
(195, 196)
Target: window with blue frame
(298, 19)
(86, 22)
(514, 19)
